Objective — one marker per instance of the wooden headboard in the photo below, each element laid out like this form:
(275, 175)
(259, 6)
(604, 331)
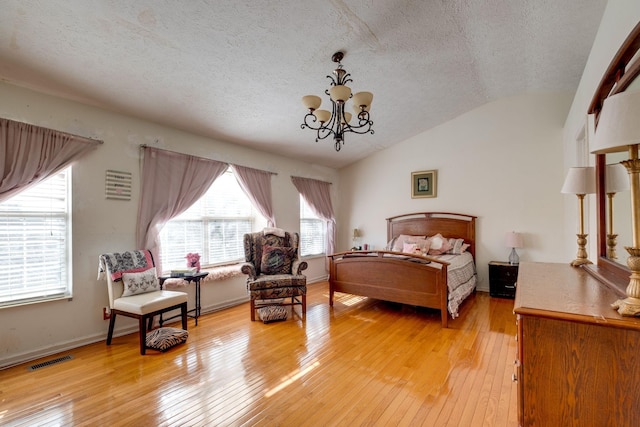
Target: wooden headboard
(429, 223)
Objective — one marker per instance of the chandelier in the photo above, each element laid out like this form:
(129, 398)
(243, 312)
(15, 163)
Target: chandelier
(338, 121)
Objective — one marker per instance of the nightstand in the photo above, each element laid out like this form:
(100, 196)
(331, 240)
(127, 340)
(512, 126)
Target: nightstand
(502, 279)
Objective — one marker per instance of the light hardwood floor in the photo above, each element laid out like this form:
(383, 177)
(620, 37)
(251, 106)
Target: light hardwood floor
(362, 363)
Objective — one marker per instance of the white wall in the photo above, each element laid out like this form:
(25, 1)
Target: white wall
(620, 17)
(101, 225)
(501, 162)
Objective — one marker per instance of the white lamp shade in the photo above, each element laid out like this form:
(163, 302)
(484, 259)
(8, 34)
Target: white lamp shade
(340, 93)
(580, 180)
(363, 99)
(311, 102)
(513, 240)
(616, 178)
(322, 116)
(346, 118)
(618, 124)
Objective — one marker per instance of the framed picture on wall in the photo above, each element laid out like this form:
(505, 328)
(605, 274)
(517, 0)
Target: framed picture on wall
(424, 184)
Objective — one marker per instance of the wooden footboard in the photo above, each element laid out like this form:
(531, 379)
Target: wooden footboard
(390, 276)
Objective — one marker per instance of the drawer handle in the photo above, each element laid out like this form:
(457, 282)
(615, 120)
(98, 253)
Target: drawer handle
(514, 378)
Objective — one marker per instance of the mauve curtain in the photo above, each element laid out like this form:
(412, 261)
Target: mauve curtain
(318, 196)
(29, 154)
(257, 186)
(171, 183)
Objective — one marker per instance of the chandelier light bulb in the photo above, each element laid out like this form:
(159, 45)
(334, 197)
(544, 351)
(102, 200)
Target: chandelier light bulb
(363, 99)
(311, 102)
(340, 93)
(322, 116)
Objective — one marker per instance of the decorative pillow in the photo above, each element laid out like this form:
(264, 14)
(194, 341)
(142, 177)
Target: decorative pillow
(162, 339)
(140, 283)
(390, 244)
(272, 313)
(438, 245)
(409, 248)
(456, 246)
(276, 259)
(420, 241)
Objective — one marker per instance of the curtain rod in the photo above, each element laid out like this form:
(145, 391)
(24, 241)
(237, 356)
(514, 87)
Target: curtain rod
(88, 139)
(313, 179)
(205, 158)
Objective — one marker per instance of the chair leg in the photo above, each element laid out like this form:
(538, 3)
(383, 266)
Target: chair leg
(112, 323)
(143, 335)
(183, 309)
(253, 310)
(304, 305)
(150, 323)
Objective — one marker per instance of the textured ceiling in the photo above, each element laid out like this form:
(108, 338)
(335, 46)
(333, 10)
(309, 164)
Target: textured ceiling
(236, 70)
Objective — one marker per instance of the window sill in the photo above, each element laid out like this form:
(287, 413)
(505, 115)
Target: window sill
(215, 273)
(308, 257)
(35, 300)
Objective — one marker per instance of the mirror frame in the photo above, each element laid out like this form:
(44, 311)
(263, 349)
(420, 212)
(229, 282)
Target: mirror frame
(619, 75)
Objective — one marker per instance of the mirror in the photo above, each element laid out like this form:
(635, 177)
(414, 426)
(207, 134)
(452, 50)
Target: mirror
(611, 268)
(618, 209)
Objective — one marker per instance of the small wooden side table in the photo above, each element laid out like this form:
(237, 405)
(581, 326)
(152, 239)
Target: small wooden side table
(195, 278)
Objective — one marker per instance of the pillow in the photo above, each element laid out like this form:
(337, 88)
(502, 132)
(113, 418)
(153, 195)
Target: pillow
(409, 248)
(162, 339)
(390, 245)
(140, 283)
(272, 313)
(456, 246)
(276, 259)
(438, 245)
(421, 241)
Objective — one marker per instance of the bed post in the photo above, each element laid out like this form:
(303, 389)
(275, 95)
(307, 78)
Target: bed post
(331, 276)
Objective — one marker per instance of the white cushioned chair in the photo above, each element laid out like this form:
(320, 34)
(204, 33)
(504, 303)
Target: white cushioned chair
(136, 292)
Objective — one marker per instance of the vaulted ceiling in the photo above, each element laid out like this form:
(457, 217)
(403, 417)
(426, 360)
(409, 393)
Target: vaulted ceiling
(236, 70)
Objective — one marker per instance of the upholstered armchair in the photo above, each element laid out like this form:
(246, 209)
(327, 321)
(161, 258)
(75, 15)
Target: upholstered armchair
(273, 269)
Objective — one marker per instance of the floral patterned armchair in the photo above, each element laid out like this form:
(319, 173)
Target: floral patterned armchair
(274, 270)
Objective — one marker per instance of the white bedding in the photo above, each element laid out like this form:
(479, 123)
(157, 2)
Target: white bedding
(461, 279)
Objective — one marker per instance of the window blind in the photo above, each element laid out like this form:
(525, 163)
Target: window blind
(34, 253)
(214, 227)
(312, 231)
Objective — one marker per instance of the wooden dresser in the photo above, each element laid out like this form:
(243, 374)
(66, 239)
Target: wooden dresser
(578, 361)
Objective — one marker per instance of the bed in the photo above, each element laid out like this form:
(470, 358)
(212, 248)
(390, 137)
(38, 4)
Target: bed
(440, 282)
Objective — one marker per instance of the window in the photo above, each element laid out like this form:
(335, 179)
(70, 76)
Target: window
(312, 231)
(35, 243)
(214, 227)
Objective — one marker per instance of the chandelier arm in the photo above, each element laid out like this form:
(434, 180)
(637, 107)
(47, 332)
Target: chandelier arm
(360, 130)
(310, 125)
(323, 133)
